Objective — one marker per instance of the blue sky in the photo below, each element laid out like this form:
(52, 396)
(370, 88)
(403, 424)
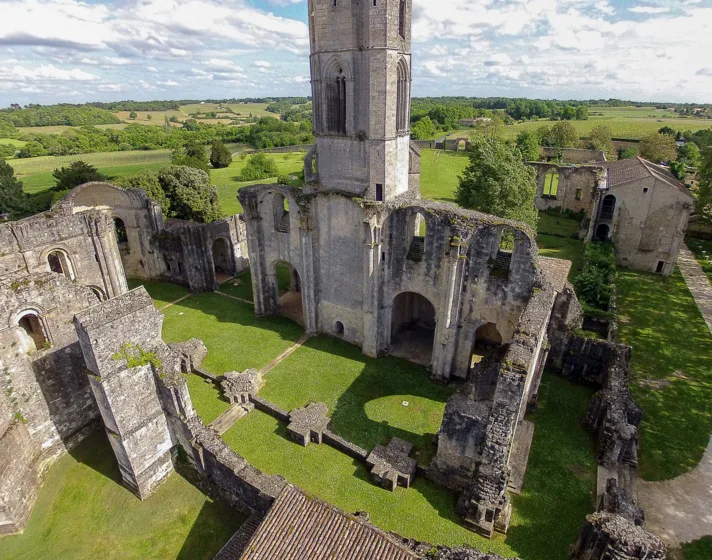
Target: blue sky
(73, 51)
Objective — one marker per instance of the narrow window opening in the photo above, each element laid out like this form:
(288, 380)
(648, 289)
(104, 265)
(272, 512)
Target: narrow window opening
(122, 237)
(645, 189)
(551, 184)
(417, 231)
(503, 260)
(379, 192)
(281, 213)
(660, 268)
(579, 194)
(402, 97)
(401, 19)
(608, 208)
(339, 328)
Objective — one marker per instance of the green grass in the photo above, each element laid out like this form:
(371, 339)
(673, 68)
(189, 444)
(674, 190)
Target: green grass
(559, 247)
(423, 511)
(560, 484)
(236, 339)
(162, 293)
(240, 286)
(364, 395)
(671, 342)
(84, 513)
(62, 128)
(244, 110)
(46, 164)
(12, 142)
(697, 246)
(206, 397)
(698, 550)
(227, 180)
(558, 491)
(438, 174)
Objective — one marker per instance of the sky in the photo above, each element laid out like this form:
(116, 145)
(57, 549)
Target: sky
(102, 50)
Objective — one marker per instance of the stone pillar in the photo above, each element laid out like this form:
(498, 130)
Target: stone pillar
(445, 344)
(120, 340)
(266, 299)
(102, 231)
(306, 238)
(371, 282)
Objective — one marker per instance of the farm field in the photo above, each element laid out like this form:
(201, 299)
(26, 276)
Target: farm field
(44, 164)
(157, 117)
(60, 129)
(12, 142)
(242, 110)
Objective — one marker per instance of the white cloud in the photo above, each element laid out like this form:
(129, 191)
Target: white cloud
(262, 64)
(169, 83)
(649, 10)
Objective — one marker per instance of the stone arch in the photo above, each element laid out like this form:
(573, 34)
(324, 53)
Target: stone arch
(287, 282)
(58, 261)
(403, 96)
(603, 232)
(488, 334)
(608, 207)
(339, 328)
(32, 329)
(103, 196)
(413, 325)
(335, 78)
(222, 256)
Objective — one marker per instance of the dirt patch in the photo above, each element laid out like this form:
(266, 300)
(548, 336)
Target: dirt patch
(654, 384)
(680, 375)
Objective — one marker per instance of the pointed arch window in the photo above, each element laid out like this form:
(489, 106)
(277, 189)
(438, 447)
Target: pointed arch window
(403, 97)
(336, 102)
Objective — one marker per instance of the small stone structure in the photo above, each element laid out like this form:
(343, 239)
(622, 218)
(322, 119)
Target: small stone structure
(606, 536)
(308, 423)
(238, 388)
(391, 465)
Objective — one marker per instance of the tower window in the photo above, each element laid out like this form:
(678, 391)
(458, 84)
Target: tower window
(403, 96)
(401, 19)
(379, 192)
(337, 103)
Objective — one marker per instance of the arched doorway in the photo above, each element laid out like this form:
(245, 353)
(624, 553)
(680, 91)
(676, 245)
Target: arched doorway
(59, 263)
(122, 237)
(487, 339)
(413, 325)
(32, 332)
(289, 285)
(222, 259)
(602, 232)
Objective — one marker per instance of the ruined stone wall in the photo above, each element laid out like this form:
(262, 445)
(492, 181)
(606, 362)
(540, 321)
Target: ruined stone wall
(573, 155)
(577, 190)
(648, 227)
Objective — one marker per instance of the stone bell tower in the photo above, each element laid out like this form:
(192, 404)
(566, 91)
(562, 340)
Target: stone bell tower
(361, 76)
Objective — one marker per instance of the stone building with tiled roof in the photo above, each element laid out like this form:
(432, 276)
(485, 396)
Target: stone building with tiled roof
(644, 210)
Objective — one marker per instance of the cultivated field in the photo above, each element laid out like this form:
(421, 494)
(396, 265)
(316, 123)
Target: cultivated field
(43, 164)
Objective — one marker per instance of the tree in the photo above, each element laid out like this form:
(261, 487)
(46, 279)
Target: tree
(133, 115)
(668, 130)
(564, 135)
(13, 199)
(679, 169)
(689, 153)
(32, 149)
(528, 144)
(7, 150)
(192, 155)
(582, 113)
(191, 194)
(627, 153)
(76, 174)
(220, 156)
(703, 204)
(423, 129)
(600, 139)
(148, 182)
(497, 181)
(259, 166)
(658, 147)
(544, 134)
(149, 116)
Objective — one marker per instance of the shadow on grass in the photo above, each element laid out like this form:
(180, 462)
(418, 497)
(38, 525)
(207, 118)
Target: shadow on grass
(95, 452)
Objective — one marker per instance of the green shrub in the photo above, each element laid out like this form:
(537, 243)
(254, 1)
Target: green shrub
(595, 283)
(284, 180)
(259, 166)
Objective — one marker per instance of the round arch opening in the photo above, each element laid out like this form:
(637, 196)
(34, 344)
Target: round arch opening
(222, 257)
(32, 332)
(289, 287)
(59, 263)
(413, 323)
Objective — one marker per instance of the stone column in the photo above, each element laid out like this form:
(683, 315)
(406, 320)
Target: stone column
(445, 344)
(102, 231)
(309, 304)
(371, 282)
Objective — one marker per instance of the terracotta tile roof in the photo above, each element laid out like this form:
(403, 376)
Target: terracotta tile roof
(633, 169)
(301, 527)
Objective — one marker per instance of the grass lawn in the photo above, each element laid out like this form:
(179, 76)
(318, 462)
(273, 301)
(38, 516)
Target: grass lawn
(206, 398)
(560, 245)
(364, 395)
(62, 128)
(560, 482)
(83, 512)
(240, 286)
(46, 164)
(672, 346)
(423, 511)
(236, 339)
(162, 293)
(227, 183)
(12, 142)
(438, 173)
(558, 491)
(697, 246)
(698, 550)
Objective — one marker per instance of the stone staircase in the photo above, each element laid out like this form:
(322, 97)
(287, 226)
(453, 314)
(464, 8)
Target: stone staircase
(235, 547)
(417, 249)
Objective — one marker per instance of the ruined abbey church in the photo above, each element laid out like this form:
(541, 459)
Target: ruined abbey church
(460, 292)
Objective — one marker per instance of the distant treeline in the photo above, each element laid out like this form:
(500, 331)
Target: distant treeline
(268, 132)
(57, 115)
